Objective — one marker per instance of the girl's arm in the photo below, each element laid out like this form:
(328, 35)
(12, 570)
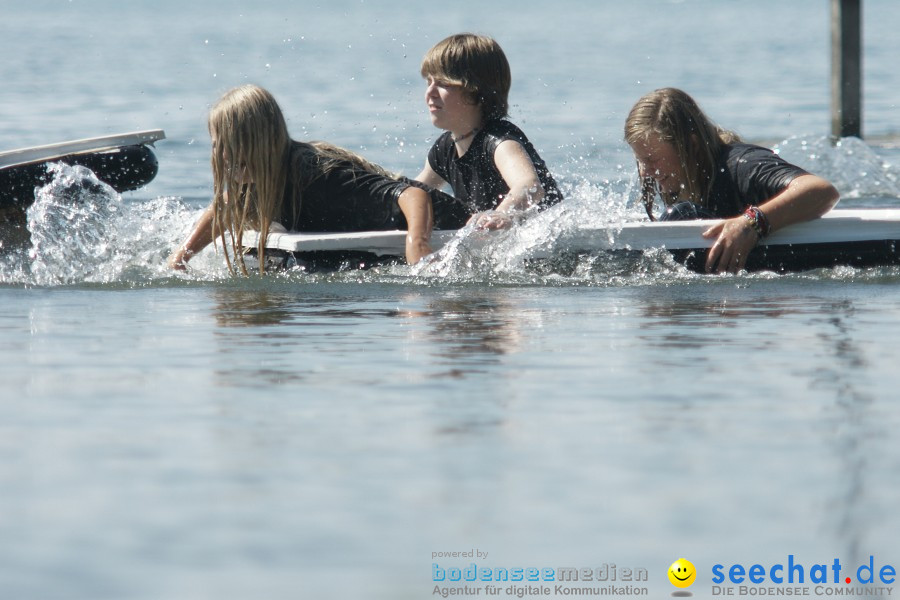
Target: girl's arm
(806, 197)
(416, 206)
(525, 189)
(200, 237)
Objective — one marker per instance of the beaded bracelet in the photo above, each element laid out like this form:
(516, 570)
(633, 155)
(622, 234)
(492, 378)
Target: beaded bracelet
(758, 220)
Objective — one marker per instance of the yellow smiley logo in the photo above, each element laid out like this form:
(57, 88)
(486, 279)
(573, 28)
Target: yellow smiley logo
(682, 573)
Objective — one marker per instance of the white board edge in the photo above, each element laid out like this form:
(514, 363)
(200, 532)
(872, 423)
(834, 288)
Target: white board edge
(24, 156)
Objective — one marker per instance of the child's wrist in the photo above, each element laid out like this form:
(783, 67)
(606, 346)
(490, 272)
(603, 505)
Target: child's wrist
(758, 221)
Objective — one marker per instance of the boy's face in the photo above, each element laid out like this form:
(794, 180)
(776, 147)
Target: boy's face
(450, 107)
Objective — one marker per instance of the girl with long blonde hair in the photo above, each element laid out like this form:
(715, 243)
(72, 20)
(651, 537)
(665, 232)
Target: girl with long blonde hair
(261, 177)
(702, 171)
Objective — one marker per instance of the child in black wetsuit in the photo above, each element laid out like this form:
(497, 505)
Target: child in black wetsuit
(488, 161)
(703, 171)
(262, 177)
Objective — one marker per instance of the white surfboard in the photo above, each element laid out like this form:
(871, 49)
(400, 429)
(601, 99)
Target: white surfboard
(37, 154)
(838, 226)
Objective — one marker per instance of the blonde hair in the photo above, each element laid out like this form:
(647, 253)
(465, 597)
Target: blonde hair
(254, 160)
(675, 118)
(478, 65)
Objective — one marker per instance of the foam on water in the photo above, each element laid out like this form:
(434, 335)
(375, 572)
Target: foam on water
(82, 231)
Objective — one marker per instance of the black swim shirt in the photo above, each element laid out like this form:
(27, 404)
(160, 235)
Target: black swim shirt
(474, 177)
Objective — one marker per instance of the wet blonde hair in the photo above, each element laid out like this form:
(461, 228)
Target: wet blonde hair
(254, 160)
(675, 118)
(478, 65)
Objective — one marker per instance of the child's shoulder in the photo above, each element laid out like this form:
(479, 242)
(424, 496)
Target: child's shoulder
(500, 127)
(501, 130)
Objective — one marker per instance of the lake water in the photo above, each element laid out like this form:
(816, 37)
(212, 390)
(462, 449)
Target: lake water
(194, 436)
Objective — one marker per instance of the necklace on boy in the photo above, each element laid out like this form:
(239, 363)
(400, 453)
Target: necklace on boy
(456, 140)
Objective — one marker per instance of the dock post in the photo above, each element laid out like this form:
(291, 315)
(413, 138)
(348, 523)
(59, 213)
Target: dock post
(846, 68)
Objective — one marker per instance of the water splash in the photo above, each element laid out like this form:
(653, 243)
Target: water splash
(73, 227)
(849, 163)
(537, 247)
(82, 231)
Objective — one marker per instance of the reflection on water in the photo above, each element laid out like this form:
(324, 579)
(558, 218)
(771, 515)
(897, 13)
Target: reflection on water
(804, 363)
(251, 309)
(297, 333)
(849, 426)
(469, 329)
(468, 337)
(722, 312)
(710, 322)
(326, 425)
(298, 341)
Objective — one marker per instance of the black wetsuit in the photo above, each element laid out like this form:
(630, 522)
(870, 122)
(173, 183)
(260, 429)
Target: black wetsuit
(474, 177)
(745, 175)
(349, 198)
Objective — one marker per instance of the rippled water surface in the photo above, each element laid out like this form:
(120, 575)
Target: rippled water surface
(322, 435)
